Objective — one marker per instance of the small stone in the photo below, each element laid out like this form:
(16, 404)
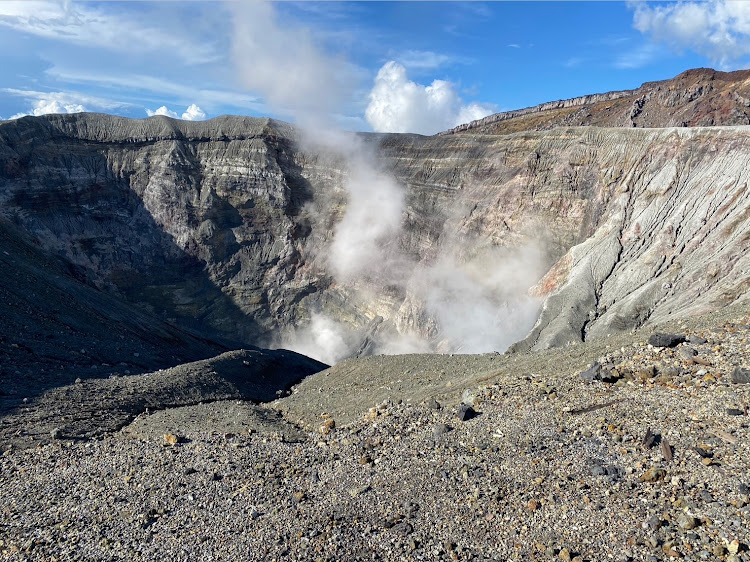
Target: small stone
(354, 492)
(697, 340)
(171, 439)
(465, 412)
(648, 439)
(686, 521)
(469, 397)
(366, 459)
(439, 429)
(734, 412)
(666, 340)
(741, 376)
(666, 450)
(403, 527)
(645, 374)
(564, 555)
(718, 550)
(532, 505)
(78, 380)
(433, 404)
(733, 547)
(654, 474)
(669, 550)
(687, 352)
(56, 433)
(593, 373)
(327, 426)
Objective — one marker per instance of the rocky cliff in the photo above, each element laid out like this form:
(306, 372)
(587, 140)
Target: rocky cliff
(227, 228)
(696, 98)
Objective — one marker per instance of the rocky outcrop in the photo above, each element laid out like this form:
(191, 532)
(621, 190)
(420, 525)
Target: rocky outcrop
(695, 98)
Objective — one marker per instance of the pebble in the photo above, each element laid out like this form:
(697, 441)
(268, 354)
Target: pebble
(741, 376)
(666, 340)
(654, 474)
(465, 412)
(687, 352)
(593, 373)
(686, 521)
(440, 429)
(433, 404)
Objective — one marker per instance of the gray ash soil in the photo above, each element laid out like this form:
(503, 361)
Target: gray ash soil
(56, 327)
(94, 407)
(372, 463)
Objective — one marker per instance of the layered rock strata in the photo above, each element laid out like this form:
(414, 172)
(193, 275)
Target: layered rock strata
(225, 227)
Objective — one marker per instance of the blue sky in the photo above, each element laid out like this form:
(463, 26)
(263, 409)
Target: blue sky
(400, 66)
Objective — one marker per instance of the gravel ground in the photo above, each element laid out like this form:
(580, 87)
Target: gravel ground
(556, 463)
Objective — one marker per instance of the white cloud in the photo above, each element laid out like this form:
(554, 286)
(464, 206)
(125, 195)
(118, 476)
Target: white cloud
(427, 59)
(103, 28)
(160, 86)
(641, 56)
(162, 111)
(573, 62)
(398, 105)
(719, 30)
(194, 113)
(46, 106)
(43, 103)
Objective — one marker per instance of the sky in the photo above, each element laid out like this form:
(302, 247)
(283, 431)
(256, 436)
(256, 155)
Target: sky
(415, 67)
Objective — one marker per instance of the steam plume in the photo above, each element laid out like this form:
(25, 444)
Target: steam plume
(470, 304)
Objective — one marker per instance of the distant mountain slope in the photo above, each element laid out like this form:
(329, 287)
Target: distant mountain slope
(696, 98)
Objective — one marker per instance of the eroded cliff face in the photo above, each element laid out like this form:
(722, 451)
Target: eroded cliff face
(227, 227)
(671, 241)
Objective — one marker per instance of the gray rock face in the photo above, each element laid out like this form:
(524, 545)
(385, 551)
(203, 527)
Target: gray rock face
(668, 242)
(225, 227)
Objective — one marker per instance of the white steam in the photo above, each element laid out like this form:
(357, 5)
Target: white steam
(456, 303)
(281, 61)
(366, 237)
(323, 339)
(398, 105)
(482, 304)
